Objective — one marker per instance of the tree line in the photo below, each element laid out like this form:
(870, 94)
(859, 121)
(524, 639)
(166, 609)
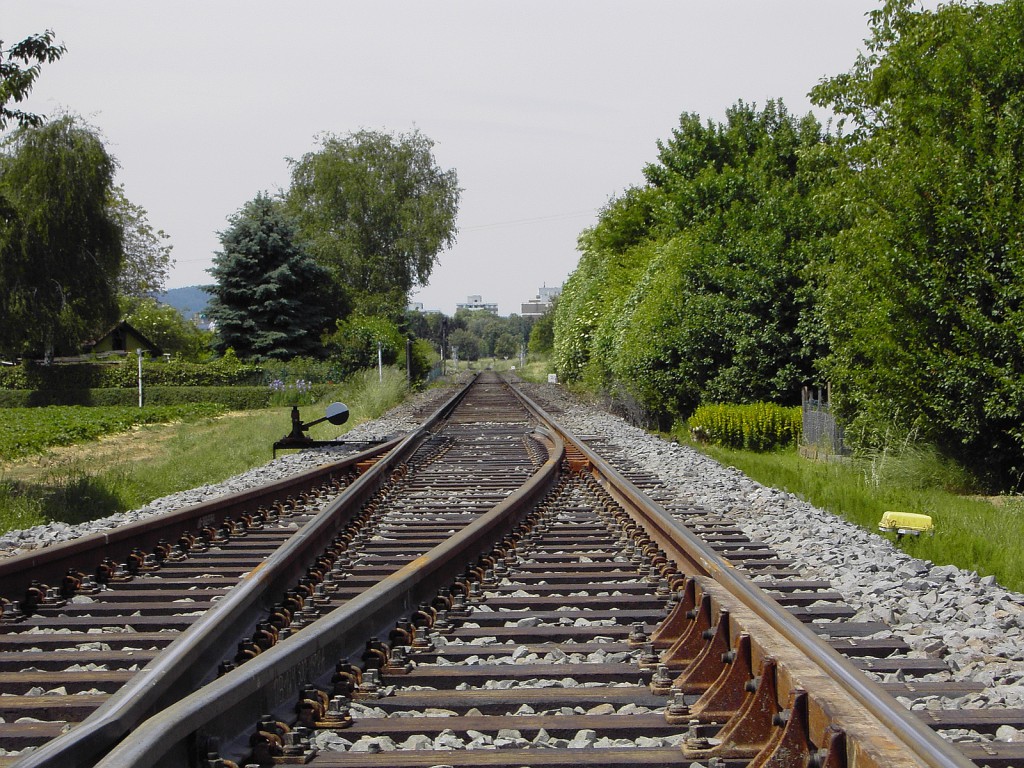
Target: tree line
(473, 334)
(321, 269)
(882, 254)
(326, 267)
(75, 253)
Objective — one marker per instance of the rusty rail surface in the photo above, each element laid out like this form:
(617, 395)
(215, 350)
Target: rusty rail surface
(696, 558)
(192, 658)
(725, 650)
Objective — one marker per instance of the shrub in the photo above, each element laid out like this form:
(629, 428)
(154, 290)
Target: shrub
(305, 368)
(756, 427)
(353, 346)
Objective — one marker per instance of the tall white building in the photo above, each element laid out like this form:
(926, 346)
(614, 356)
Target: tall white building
(477, 304)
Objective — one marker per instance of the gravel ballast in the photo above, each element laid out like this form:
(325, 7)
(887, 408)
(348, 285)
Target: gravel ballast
(398, 420)
(971, 622)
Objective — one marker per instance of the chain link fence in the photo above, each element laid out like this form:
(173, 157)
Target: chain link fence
(822, 437)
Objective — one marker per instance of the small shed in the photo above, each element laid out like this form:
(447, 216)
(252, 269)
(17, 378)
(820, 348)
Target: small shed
(122, 339)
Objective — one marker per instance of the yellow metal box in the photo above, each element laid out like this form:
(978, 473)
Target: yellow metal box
(906, 522)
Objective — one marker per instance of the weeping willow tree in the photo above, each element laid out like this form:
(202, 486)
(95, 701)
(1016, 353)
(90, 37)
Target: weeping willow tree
(60, 246)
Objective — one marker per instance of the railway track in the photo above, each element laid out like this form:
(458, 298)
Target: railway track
(487, 591)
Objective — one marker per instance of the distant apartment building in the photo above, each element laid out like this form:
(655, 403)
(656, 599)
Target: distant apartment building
(540, 304)
(477, 304)
(417, 306)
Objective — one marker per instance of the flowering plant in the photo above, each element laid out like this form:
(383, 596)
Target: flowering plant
(298, 393)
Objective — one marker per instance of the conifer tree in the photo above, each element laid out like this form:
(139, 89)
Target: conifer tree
(268, 301)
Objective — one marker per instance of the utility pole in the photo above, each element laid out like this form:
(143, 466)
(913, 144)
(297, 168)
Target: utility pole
(138, 352)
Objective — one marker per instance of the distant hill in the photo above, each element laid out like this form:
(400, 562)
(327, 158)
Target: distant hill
(189, 301)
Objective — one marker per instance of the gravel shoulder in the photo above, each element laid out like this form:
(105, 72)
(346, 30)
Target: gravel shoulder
(940, 611)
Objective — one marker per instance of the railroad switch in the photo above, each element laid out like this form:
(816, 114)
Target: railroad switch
(336, 413)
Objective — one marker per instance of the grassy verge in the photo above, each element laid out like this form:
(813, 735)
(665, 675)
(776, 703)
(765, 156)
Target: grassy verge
(27, 431)
(974, 533)
(123, 473)
(536, 369)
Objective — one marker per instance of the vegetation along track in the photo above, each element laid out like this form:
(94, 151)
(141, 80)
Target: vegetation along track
(493, 589)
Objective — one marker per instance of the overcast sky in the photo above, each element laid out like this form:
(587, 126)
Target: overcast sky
(545, 108)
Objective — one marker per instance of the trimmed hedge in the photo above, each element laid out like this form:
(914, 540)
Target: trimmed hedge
(233, 398)
(223, 372)
(755, 427)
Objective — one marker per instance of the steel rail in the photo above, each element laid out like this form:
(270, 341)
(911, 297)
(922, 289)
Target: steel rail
(675, 538)
(229, 706)
(50, 564)
(192, 658)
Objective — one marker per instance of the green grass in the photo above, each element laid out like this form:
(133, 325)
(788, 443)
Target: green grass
(27, 431)
(536, 370)
(178, 457)
(970, 532)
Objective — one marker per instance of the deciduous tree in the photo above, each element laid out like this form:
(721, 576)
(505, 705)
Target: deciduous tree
(20, 65)
(464, 344)
(60, 248)
(356, 341)
(147, 254)
(376, 210)
(542, 334)
(506, 346)
(694, 287)
(925, 298)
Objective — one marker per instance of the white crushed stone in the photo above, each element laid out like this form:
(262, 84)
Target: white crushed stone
(398, 420)
(971, 622)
